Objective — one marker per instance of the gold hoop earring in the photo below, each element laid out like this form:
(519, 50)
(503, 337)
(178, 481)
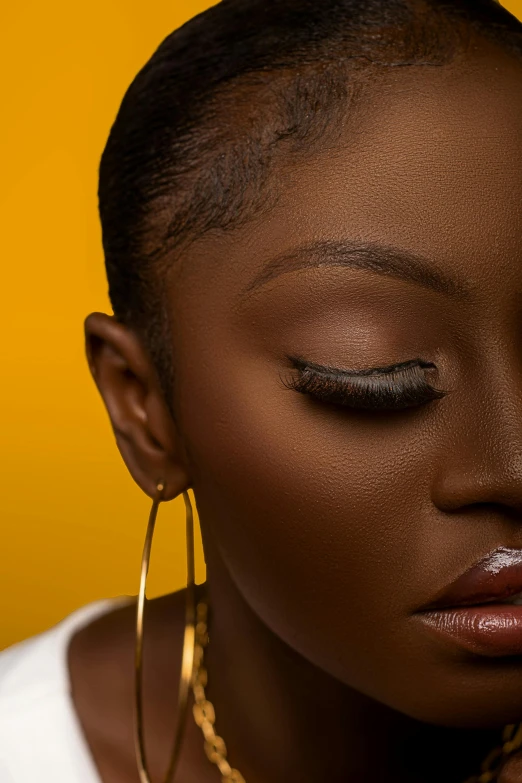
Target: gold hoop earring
(187, 663)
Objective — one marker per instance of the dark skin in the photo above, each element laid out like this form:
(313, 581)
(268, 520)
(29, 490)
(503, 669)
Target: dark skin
(326, 528)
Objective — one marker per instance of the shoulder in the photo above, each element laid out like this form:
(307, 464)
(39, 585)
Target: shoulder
(36, 711)
(35, 668)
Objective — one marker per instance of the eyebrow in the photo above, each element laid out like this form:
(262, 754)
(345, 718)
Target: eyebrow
(369, 256)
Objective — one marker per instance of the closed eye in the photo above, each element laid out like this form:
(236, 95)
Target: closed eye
(392, 388)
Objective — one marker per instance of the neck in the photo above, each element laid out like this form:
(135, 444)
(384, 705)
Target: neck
(283, 718)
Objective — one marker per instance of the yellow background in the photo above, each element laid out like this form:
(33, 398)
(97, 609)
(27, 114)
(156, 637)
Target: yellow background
(73, 521)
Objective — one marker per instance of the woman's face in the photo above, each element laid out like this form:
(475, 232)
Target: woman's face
(338, 524)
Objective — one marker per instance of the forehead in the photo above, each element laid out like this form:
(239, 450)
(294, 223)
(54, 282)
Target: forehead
(429, 160)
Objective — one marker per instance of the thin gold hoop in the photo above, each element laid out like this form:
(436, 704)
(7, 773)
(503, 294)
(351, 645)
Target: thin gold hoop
(187, 663)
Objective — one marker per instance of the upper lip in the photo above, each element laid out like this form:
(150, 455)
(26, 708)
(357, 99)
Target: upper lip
(496, 577)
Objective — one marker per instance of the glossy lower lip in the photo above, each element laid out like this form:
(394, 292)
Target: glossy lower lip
(492, 630)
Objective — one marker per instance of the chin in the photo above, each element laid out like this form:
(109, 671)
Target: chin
(473, 699)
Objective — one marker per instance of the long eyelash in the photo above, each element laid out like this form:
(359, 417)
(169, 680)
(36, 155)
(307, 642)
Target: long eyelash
(395, 387)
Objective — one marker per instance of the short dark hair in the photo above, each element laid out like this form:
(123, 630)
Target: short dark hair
(200, 129)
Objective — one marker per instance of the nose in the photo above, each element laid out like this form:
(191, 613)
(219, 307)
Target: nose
(512, 770)
(481, 458)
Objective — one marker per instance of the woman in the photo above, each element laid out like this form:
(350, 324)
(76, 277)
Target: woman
(312, 228)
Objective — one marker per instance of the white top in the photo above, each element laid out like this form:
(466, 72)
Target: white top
(41, 739)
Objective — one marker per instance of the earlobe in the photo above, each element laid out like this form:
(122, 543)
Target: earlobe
(127, 381)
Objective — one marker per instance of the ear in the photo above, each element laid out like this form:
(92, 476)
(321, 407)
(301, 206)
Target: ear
(144, 428)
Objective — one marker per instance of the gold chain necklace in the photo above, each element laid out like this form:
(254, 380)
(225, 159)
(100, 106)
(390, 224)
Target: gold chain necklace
(204, 713)
(216, 750)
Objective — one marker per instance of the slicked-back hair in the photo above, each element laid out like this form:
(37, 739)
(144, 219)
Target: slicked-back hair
(200, 132)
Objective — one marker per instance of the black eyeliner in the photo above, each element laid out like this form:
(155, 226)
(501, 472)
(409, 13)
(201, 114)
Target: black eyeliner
(302, 364)
(394, 387)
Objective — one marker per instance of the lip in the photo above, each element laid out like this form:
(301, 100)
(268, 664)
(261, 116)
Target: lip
(494, 578)
(470, 611)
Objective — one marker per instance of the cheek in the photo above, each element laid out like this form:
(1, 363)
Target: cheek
(315, 512)
(326, 523)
